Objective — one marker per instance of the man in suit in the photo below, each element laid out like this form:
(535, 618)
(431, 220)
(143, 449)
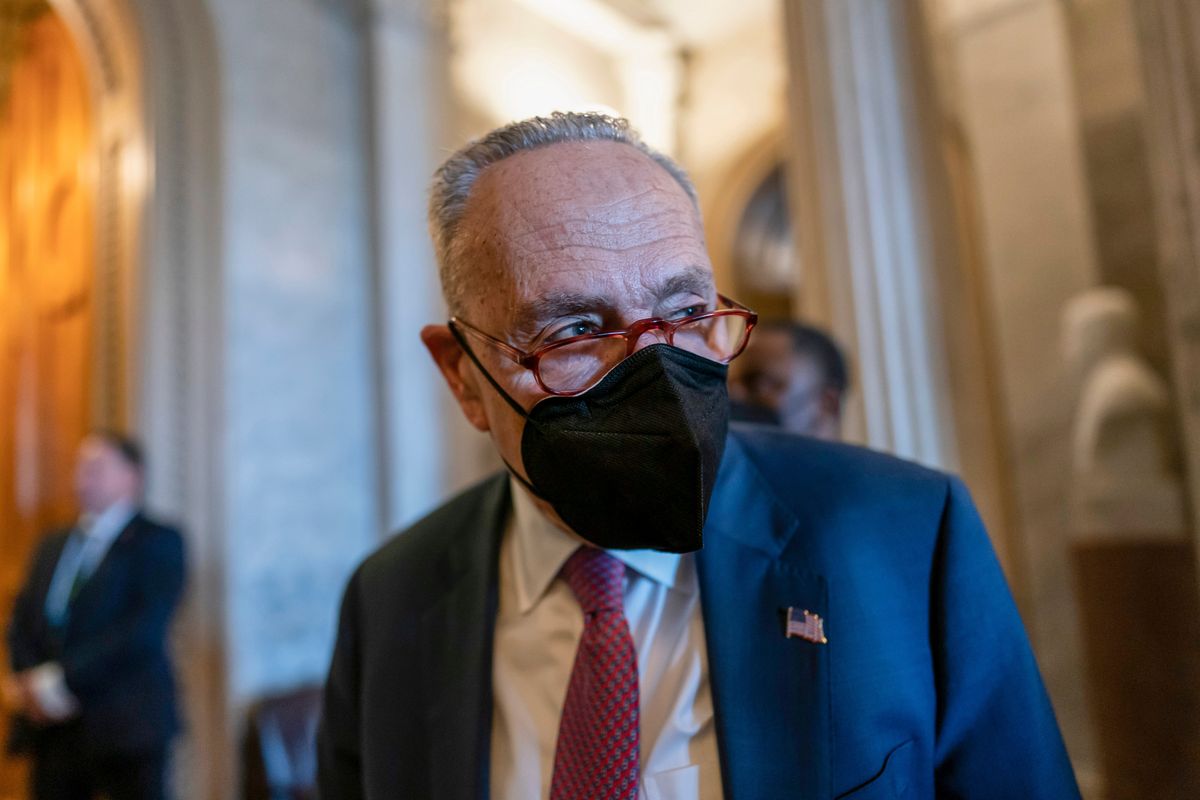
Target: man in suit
(92, 683)
(649, 603)
(791, 375)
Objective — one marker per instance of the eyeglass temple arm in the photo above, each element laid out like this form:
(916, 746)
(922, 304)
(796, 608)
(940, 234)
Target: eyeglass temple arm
(462, 342)
(519, 356)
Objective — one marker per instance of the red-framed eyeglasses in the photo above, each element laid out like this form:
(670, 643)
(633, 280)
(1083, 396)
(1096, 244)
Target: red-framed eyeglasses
(572, 366)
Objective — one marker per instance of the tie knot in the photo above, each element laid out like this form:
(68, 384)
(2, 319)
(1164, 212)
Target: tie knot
(596, 578)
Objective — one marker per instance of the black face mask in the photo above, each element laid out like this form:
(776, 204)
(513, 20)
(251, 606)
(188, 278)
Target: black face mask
(631, 463)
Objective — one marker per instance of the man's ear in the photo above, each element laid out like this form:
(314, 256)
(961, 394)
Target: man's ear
(457, 370)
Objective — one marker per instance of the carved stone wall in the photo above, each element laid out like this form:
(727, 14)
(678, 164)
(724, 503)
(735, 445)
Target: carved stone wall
(298, 468)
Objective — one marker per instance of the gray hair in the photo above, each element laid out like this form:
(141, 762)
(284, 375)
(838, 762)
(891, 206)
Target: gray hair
(454, 179)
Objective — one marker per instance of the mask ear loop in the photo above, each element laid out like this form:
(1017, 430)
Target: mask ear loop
(462, 342)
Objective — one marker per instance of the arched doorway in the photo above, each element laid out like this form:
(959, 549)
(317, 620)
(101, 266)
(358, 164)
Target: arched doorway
(48, 308)
(765, 268)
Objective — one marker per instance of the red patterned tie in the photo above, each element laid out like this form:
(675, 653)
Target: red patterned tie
(597, 753)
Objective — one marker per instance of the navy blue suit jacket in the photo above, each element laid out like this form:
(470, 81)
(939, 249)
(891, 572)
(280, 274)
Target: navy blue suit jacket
(113, 647)
(926, 688)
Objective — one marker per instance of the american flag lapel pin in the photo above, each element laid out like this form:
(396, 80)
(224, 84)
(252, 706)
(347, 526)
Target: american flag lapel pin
(803, 624)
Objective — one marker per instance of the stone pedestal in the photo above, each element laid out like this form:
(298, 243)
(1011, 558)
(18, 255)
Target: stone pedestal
(1141, 620)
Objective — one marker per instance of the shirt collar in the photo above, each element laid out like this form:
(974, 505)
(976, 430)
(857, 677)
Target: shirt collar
(109, 523)
(541, 548)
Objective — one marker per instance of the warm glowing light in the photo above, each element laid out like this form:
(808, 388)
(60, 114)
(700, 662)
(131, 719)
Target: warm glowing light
(538, 56)
(135, 167)
(532, 84)
(594, 22)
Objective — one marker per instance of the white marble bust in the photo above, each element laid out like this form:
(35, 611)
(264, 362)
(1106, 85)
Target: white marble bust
(1124, 482)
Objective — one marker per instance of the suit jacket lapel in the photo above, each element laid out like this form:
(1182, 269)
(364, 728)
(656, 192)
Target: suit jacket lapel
(771, 694)
(47, 567)
(44, 631)
(457, 634)
(96, 580)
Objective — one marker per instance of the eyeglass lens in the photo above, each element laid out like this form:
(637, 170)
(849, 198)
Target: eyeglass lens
(577, 366)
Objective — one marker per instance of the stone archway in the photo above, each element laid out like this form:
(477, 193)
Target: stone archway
(738, 183)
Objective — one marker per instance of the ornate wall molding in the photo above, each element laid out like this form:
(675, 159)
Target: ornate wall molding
(882, 249)
(723, 214)
(113, 67)
(867, 234)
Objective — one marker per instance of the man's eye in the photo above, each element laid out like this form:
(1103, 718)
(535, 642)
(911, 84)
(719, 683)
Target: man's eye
(579, 328)
(690, 311)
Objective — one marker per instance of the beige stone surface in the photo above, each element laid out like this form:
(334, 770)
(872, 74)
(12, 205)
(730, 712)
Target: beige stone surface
(1016, 105)
(1123, 480)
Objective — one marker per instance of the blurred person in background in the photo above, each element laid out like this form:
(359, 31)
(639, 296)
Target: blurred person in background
(649, 603)
(792, 375)
(92, 684)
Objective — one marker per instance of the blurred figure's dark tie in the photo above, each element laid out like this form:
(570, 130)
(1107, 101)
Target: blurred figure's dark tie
(596, 757)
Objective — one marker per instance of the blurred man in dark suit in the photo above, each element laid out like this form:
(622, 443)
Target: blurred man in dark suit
(92, 684)
(791, 375)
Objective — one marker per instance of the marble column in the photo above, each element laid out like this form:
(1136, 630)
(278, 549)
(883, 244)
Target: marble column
(864, 232)
(406, 55)
(428, 449)
(882, 247)
(1169, 45)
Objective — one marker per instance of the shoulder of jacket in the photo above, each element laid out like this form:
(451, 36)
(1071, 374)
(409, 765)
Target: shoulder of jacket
(805, 456)
(858, 510)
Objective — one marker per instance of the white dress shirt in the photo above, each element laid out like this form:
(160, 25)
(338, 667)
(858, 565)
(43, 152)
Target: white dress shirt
(538, 627)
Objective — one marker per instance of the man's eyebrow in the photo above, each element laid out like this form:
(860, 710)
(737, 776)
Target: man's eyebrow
(530, 317)
(693, 280)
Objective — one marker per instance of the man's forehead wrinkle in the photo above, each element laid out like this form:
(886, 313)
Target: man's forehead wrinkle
(600, 206)
(594, 226)
(592, 252)
(532, 192)
(550, 225)
(587, 233)
(586, 199)
(609, 175)
(602, 203)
